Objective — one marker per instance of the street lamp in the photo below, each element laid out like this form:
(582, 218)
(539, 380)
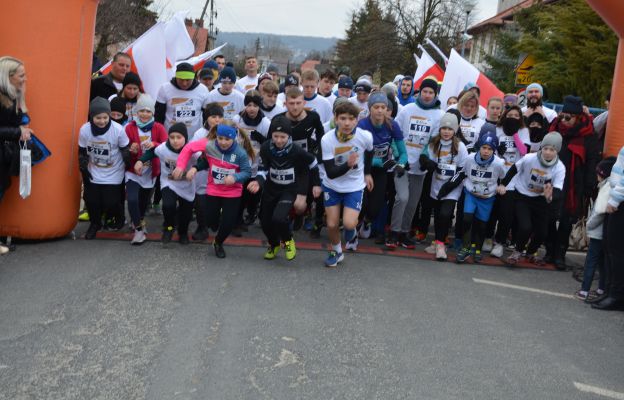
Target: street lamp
(468, 10)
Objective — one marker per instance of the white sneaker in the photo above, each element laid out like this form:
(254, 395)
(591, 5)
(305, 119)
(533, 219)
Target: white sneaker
(3, 249)
(139, 238)
(487, 245)
(440, 252)
(352, 244)
(365, 230)
(497, 251)
(431, 249)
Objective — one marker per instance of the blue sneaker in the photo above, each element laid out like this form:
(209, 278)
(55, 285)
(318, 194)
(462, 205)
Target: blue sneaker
(333, 259)
(308, 225)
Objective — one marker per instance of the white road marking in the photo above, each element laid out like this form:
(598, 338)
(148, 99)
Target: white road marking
(525, 288)
(599, 391)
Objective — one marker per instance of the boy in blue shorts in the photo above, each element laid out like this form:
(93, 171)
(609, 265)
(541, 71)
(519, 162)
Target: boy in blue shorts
(347, 154)
(480, 175)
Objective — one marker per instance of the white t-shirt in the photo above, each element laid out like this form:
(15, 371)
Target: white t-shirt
(362, 106)
(278, 109)
(532, 175)
(183, 105)
(418, 127)
(106, 164)
(353, 180)
(322, 107)
(331, 98)
(549, 113)
(201, 177)
(470, 129)
(246, 84)
(446, 168)
(232, 103)
(482, 181)
(146, 181)
(263, 129)
(168, 159)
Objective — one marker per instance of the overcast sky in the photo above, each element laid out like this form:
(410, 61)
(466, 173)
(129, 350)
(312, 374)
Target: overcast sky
(326, 18)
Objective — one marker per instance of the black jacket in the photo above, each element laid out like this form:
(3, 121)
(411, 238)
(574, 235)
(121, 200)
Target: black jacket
(102, 86)
(10, 133)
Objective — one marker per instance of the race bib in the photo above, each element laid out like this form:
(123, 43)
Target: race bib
(341, 154)
(469, 132)
(185, 112)
(100, 154)
(219, 174)
(537, 180)
(445, 171)
(481, 182)
(282, 176)
(419, 132)
(381, 150)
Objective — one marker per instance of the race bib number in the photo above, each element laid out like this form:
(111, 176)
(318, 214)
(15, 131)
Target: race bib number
(303, 143)
(469, 132)
(219, 174)
(282, 176)
(100, 154)
(185, 112)
(419, 132)
(537, 180)
(481, 182)
(445, 171)
(381, 150)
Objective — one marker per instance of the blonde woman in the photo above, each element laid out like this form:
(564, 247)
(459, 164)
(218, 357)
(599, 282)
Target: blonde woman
(13, 121)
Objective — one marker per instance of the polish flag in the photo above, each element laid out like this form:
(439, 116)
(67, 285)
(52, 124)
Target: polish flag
(198, 61)
(426, 67)
(460, 72)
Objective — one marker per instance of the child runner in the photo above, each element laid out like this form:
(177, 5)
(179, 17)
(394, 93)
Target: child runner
(347, 155)
(539, 182)
(231, 100)
(118, 110)
(282, 164)
(103, 152)
(269, 107)
(144, 134)
(177, 195)
(480, 175)
(214, 116)
(328, 80)
(228, 165)
(447, 153)
(362, 90)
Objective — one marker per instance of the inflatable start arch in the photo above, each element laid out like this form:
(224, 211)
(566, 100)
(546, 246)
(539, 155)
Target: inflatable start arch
(55, 42)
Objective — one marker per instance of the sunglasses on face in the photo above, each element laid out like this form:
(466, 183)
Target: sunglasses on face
(566, 117)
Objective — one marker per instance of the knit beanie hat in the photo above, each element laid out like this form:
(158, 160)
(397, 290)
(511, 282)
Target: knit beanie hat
(131, 79)
(605, 166)
(488, 137)
(228, 75)
(145, 102)
(272, 68)
(345, 83)
(486, 129)
(180, 128)
(264, 77)
(227, 131)
(572, 105)
(213, 109)
(429, 83)
(472, 85)
(398, 79)
(291, 80)
(185, 71)
(510, 98)
(536, 117)
(537, 86)
(99, 105)
(211, 64)
(280, 123)
(552, 139)
(118, 104)
(449, 120)
(363, 86)
(377, 97)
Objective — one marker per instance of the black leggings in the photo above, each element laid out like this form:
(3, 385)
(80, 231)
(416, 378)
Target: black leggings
(443, 213)
(532, 215)
(250, 201)
(459, 226)
(422, 218)
(100, 198)
(613, 242)
(474, 231)
(176, 210)
(200, 211)
(274, 215)
(224, 212)
(373, 202)
(503, 213)
(138, 198)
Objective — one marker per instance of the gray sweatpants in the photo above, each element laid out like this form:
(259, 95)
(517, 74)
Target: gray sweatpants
(408, 189)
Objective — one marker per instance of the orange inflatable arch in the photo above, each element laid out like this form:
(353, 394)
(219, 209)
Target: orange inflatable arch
(55, 42)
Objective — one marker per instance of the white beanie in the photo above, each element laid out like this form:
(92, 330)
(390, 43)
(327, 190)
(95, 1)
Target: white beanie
(145, 102)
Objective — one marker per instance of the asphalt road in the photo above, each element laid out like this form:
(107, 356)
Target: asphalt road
(105, 320)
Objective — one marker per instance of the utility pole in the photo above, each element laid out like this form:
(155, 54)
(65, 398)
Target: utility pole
(212, 30)
(465, 38)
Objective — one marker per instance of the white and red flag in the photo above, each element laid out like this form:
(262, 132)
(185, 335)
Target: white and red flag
(426, 67)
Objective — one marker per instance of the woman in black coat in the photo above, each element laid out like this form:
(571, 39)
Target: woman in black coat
(13, 121)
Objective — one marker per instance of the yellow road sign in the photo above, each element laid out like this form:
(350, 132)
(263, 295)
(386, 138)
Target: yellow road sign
(524, 71)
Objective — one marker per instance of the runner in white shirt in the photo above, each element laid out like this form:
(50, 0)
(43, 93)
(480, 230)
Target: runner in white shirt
(362, 90)
(313, 101)
(269, 106)
(181, 100)
(231, 100)
(328, 80)
(470, 123)
(250, 81)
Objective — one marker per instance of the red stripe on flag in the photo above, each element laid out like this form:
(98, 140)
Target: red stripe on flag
(433, 71)
(488, 90)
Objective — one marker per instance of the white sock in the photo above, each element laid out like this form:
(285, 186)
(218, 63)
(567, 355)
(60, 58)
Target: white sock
(337, 247)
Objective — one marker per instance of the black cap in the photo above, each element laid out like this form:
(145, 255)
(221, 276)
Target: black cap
(131, 79)
(179, 127)
(281, 124)
(213, 109)
(291, 80)
(206, 73)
